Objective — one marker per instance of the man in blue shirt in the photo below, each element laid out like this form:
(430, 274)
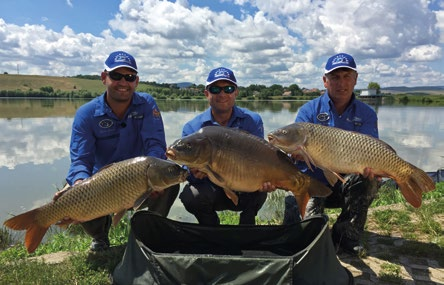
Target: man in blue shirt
(200, 196)
(117, 125)
(338, 107)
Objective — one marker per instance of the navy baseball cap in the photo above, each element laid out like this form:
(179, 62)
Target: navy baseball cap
(340, 60)
(120, 59)
(221, 73)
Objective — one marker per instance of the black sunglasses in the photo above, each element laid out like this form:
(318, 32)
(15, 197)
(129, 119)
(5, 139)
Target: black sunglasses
(217, 89)
(117, 76)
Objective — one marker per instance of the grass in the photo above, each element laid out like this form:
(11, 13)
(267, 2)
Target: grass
(389, 216)
(35, 82)
(390, 273)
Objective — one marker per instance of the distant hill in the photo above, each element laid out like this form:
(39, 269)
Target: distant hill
(68, 84)
(417, 89)
(184, 84)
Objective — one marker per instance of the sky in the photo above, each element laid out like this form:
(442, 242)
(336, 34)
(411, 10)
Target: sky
(394, 42)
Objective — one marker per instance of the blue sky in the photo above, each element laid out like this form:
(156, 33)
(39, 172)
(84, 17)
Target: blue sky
(394, 42)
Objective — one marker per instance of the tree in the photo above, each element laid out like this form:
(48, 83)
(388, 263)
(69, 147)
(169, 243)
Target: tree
(295, 90)
(47, 89)
(374, 85)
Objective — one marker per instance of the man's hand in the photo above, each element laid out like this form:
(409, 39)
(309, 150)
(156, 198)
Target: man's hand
(368, 173)
(197, 173)
(156, 194)
(57, 195)
(296, 156)
(267, 187)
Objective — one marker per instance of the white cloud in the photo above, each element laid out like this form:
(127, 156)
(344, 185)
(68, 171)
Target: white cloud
(281, 42)
(440, 23)
(422, 53)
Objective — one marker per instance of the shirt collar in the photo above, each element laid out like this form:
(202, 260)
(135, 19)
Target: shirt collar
(101, 108)
(327, 101)
(237, 113)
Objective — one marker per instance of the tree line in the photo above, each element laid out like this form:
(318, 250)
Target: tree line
(174, 91)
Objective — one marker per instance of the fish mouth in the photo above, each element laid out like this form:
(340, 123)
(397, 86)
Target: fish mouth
(184, 176)
(271, 138)
(170, 154)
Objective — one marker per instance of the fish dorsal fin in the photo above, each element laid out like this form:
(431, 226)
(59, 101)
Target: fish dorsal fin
(387, 145)
(105, 167)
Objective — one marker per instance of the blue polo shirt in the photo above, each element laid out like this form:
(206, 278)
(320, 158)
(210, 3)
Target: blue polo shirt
(99, 138)
(358, 117)
(241, 118)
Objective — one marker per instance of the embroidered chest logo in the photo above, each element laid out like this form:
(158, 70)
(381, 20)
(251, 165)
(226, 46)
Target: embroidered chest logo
(106, 123)
(323, 117)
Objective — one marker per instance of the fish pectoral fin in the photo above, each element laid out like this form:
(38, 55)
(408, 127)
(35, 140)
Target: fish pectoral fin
(138, 203)
(213, 175)
(307, 157)
(232, 196)
(118, 216)
(332, 177)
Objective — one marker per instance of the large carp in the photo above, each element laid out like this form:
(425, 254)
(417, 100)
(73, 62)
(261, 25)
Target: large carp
(114, 189)
(338, 151)
(239, 161)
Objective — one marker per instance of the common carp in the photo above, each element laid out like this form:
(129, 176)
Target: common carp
(114, 189)
(338, 151)
(239, 161)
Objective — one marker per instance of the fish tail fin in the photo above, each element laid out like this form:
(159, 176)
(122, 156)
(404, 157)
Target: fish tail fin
(34, 231)
(34, 236)
(317, 188)
(310, 187)
(416, 184)
(302, 201)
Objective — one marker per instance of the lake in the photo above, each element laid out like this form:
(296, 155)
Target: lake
(35, 134)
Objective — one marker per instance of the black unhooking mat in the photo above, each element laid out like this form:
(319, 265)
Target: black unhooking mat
(163, 251)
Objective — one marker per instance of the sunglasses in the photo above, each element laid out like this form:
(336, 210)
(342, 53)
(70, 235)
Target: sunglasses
(217, 89)
(117, 76)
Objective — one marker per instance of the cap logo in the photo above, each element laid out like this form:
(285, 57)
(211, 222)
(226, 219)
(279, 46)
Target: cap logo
(222, 73)
(122, 58)
(340, 59)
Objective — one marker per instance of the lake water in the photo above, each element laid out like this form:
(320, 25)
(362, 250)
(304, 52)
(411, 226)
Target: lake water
(34, 142)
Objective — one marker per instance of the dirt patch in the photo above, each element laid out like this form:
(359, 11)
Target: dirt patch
(417, 261)
(53, 258)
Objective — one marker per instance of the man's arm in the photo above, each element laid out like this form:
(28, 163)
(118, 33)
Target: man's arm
(82, 150)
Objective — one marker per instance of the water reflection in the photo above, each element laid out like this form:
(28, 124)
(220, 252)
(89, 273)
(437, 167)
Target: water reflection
(34, 141)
